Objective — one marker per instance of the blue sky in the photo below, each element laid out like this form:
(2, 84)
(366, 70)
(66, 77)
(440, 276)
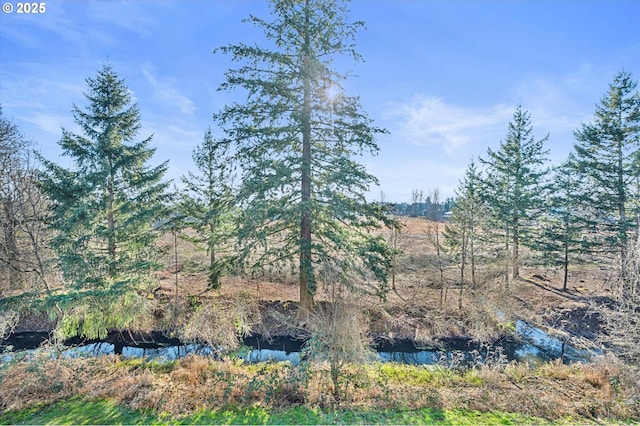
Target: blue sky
(444, 77)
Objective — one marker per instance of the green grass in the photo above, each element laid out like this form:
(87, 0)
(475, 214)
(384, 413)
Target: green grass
(155, 366)
(418, 375)
(78, 411)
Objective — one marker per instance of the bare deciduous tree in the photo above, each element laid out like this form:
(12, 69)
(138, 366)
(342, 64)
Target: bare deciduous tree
(622, 318)
(435, 238)
(23, 257)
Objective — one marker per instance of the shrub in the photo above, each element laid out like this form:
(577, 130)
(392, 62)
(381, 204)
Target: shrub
(222, 323)
(338, 340)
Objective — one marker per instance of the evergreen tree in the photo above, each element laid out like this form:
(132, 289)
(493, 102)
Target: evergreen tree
(448, 203)
(513, 185)
(606, 155)
(635, 203)
(297, 137)
(104, 209)
(562, 232)
(209, 203)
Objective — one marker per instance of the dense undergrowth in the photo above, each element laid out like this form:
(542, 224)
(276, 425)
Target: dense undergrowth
(41, 389)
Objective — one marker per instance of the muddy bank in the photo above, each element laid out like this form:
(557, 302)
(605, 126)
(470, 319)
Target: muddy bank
(387, 325)
(157, 339)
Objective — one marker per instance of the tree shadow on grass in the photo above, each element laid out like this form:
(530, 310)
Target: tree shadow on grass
(558, 292)
(312, 416)
(79, 411)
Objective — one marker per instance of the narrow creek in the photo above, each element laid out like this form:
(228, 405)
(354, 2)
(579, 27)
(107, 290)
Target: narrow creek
(535, 346)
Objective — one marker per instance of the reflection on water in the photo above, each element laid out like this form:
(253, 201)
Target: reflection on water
(540, 342)
(415, 358)
(261, 355)
(166, 353)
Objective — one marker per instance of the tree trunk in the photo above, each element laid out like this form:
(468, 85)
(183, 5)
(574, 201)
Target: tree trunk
(566, 267)
(463, 259)
(175, 257)
(472, 253)
(11, 243)
(622, 225)
(507, 259)
(307, 281)
(214, 269)
(515, 256)
(111, 236)
(443, 287)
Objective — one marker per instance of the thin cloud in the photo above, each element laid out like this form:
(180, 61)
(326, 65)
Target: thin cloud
(172, 138)
(50, 123)
(174, 142)
(40, 101)
(126, 15)
(430, 121)
(60, 22)
(165, 91)
(559, 104)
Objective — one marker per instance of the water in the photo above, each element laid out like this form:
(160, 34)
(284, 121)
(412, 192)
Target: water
(536, 347)
(537, 342)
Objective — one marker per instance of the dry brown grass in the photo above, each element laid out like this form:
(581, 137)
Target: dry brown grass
(39, 380)
(413, 310)
(606, 389)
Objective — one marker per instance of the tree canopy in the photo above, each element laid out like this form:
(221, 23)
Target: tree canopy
(104, 208)
(297, 138)
(607, 156)
(208, 203)
(513, 183)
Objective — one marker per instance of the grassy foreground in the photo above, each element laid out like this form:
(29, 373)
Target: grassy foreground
(79, 411)
(112, 390)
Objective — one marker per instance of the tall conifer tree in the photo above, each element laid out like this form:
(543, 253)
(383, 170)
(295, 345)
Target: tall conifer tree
(297, 138)
(514, 185)
(606, 154)
(105, 206)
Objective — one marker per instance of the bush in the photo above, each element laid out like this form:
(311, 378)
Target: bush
(223, 323)
(339, 341)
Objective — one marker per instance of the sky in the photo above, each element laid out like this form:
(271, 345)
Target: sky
(444, 77)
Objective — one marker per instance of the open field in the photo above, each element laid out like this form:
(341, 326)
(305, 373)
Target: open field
(416, 308)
